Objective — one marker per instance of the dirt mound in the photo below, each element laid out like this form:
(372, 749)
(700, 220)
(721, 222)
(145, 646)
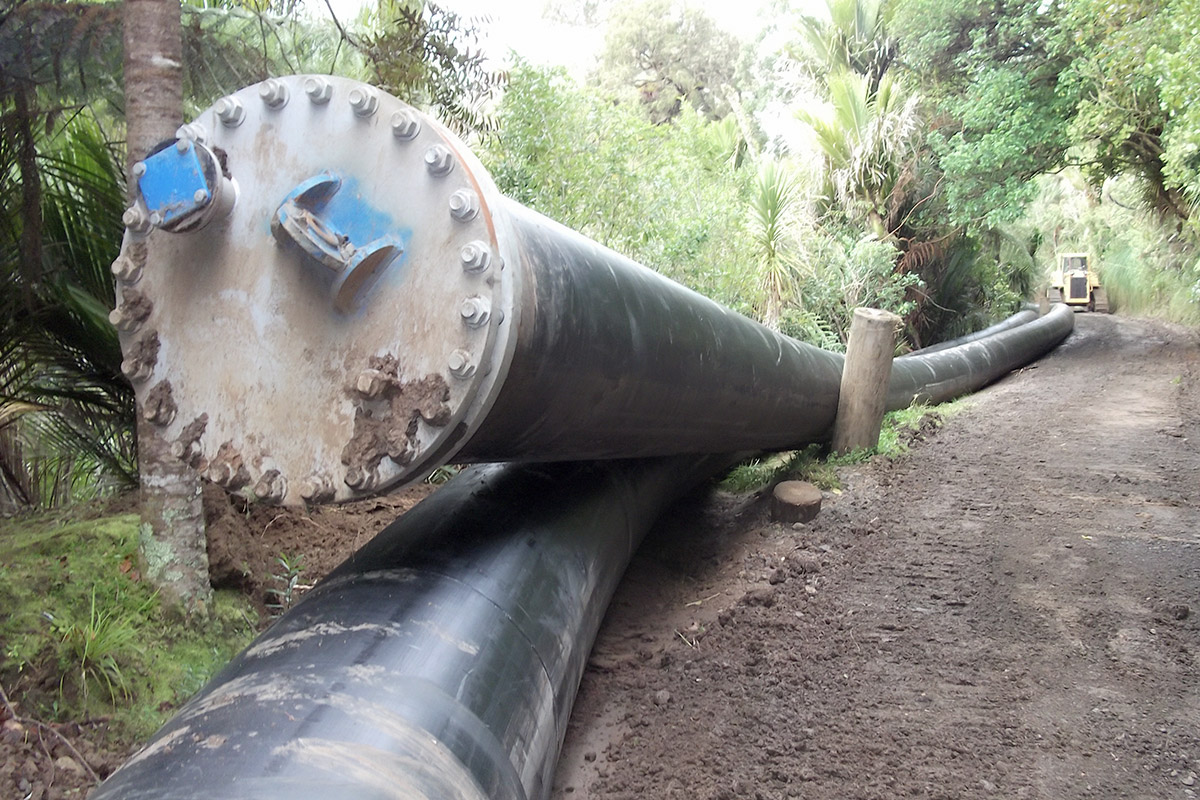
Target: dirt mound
(246, 542)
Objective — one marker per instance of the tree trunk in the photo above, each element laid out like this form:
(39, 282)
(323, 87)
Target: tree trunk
(172, 544)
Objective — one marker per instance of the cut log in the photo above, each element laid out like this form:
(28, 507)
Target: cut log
(865, 377)
(795, 501)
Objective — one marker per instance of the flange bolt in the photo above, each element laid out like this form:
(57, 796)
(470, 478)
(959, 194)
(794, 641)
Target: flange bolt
(363, 101)
(361, 480)
(439, 160)
(316, 489)
(371, 383)
(464, 205)
(136, 370)
(124, 321)
(405, 125)
(274, 93)
(192, 131)
(271, 487)
(318, 90)
(460, 364)
(475, 311)
(136, 219)
(476, 256)
(125, 269)
(230, 111)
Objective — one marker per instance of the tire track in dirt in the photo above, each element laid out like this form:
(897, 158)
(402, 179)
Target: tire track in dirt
(1008, 611)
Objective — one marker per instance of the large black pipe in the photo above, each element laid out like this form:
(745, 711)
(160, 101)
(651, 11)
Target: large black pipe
(1028, 313)
(411, 314)
(612, 359)
(942, 375)
(442, 660)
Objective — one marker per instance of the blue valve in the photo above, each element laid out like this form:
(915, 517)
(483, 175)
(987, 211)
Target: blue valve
(343, 234)
(173, 184)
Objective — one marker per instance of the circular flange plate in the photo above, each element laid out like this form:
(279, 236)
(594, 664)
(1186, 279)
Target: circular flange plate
(242, 344)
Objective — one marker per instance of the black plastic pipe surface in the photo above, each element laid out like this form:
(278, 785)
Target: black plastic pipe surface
(440, 661)
(1027, 314)
(613, 360)
(942, 375)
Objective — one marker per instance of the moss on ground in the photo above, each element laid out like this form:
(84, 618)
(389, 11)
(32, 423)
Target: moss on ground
(83, 635)
(819, 467)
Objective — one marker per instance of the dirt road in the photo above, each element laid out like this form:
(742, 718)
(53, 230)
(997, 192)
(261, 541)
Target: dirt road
(1010, 610)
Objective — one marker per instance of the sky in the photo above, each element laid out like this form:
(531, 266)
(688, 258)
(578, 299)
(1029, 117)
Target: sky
(518, 25)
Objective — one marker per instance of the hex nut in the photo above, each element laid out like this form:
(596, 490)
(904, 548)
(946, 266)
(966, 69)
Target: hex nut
(476, 256)
(460, 364)
(364, 101)
(318, 89)
(161, 414)
(273, 92)
(126, 269)
(371, 383)
(361, 480)
(220, 473)
(464, 205)
(316, 489)
(124, 322)
(271, 487)
(439, 160)
(405, 125)
(136, 219)
(230, 111)
(136, 371)
(475, 311)
(192, 131)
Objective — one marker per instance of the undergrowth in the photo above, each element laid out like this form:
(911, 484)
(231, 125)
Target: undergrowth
(84, 636)
(818, 466)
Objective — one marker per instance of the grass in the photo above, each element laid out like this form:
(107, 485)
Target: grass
(84, 637)
(1140, 289)
(818, 466)
(287, 587)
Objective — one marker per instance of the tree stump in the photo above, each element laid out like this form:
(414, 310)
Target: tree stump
(795, 501)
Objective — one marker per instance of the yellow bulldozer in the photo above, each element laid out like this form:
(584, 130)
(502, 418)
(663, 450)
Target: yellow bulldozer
(1076, 283)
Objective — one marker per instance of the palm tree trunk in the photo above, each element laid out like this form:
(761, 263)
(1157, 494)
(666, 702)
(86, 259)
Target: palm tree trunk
(172, 545)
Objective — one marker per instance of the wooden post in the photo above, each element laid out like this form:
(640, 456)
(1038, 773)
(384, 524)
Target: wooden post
(865, 378)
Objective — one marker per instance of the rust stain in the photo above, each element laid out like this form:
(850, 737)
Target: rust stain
(387, 424)
(187, 446)
(227, 468)
(159, 406)
(136, 252)
(135, 305)
(142, 357)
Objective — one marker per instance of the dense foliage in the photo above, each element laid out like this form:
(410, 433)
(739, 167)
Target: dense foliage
(924, 156)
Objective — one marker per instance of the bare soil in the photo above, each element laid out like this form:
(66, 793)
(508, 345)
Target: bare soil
(1009, 610)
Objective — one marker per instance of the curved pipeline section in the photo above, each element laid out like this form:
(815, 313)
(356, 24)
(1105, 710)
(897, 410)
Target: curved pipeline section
(945, 374)
(411, 314)
(440, 661)
(1027, 314)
